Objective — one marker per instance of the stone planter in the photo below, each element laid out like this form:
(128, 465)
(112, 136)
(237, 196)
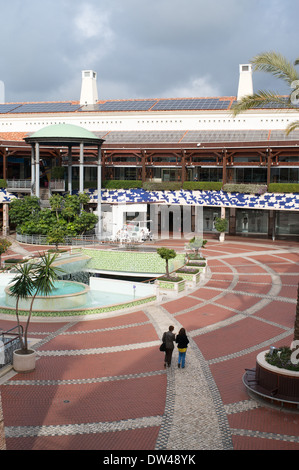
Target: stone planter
(171, 286)
(191, 279)
(24, 362)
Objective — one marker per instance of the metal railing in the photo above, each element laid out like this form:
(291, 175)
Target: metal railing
(10, 340)
(69, 241)
(26, 184)
(18, 184)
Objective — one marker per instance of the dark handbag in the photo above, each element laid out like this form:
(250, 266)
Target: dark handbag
(163, 347)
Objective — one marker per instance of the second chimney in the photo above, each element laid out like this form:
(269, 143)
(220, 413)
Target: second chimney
(245, 81)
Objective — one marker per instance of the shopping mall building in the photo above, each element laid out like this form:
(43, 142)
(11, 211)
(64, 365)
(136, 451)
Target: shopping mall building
(171, 155)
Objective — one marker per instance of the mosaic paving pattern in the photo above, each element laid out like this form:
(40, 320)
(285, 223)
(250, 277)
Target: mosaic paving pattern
(101, 384)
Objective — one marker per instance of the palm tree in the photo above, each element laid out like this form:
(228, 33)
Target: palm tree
(33, 279)
(278, 66)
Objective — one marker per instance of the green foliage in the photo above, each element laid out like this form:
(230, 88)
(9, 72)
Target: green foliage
(196, 243)
(221, 225)
(245, 188)
(167, 254)
(203, 185)
(57, 173)
(33, 278)
(3, 183)
(4, 245)
(163, 186)
(23, 209)
(281, 357)
(283, 188)
(66, 217)
(121, 184)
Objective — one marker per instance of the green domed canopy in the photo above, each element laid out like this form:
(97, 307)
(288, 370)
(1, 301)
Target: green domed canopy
(59, 134)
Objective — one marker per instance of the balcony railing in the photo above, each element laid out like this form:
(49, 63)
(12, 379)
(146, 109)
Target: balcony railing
(17, 184)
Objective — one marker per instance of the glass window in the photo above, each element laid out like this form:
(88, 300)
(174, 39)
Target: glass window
(251, 221)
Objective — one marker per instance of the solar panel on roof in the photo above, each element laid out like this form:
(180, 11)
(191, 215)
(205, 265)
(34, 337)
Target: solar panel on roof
(46, 108)
(146, 136)
(190, 104)
(139, 105)
(6, 108)
(225, 136)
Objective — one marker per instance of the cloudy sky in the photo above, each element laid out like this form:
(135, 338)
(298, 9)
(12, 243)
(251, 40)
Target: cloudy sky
(140, 48)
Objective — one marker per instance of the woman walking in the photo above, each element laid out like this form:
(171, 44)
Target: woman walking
(182, 341)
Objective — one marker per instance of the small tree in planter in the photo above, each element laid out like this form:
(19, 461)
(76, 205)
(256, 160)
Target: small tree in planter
(32, 279)
(221, 227)
(167, 254)
(195, 245)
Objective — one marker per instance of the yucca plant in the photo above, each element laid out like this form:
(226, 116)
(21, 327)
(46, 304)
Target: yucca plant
(32, 279)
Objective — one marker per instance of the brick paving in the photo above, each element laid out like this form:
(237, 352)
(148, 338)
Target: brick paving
(100, 383)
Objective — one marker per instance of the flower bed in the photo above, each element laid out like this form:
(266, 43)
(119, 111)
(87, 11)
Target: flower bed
(281, 358)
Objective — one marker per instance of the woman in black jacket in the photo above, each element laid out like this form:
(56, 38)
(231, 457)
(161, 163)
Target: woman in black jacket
(182, 340)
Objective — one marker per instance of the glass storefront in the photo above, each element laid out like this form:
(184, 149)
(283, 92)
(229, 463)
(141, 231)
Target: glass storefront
(287, 223)
(250, 175)
(251, 221)
(284, 175)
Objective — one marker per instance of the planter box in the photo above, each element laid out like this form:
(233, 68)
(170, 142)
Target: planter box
(171, 286)
(191, 279)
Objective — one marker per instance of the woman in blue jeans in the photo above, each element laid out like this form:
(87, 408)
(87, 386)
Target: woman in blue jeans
(182, 341)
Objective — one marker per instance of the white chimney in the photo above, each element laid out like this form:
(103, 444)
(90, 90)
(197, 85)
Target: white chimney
(245, 81)
(2, 92)
(89, 91)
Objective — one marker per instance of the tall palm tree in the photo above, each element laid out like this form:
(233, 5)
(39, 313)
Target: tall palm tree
(278, 66)
(33, 279)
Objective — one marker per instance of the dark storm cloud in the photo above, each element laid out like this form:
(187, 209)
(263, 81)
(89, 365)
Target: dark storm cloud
(139, 48)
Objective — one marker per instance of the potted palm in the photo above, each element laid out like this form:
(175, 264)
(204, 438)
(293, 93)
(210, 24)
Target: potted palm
(32, 279)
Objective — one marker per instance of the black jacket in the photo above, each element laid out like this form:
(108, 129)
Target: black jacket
(182, 341)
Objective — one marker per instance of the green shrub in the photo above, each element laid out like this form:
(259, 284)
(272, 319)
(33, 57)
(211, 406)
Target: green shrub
(57, 172)
(121, 184)
(281, 357)
(163, 186)
(283, 188)
(221, 224)
(170, 278)
(245, 188)
(203, 185)
(3, 183)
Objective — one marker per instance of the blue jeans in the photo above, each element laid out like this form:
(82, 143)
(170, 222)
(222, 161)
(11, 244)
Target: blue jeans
(182, 357)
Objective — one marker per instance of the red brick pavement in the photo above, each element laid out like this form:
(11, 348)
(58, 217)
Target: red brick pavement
(109, 390)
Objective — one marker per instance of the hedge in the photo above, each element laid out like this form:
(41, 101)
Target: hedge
(163, 186)
(203, 185)
(245, 188)
(283, 188)
(121, 184)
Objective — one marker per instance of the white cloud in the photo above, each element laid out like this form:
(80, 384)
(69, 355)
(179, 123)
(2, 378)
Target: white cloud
(195, 87)
(91, 22)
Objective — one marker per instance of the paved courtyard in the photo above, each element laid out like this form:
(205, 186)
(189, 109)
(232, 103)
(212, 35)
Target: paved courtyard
(100, 383)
